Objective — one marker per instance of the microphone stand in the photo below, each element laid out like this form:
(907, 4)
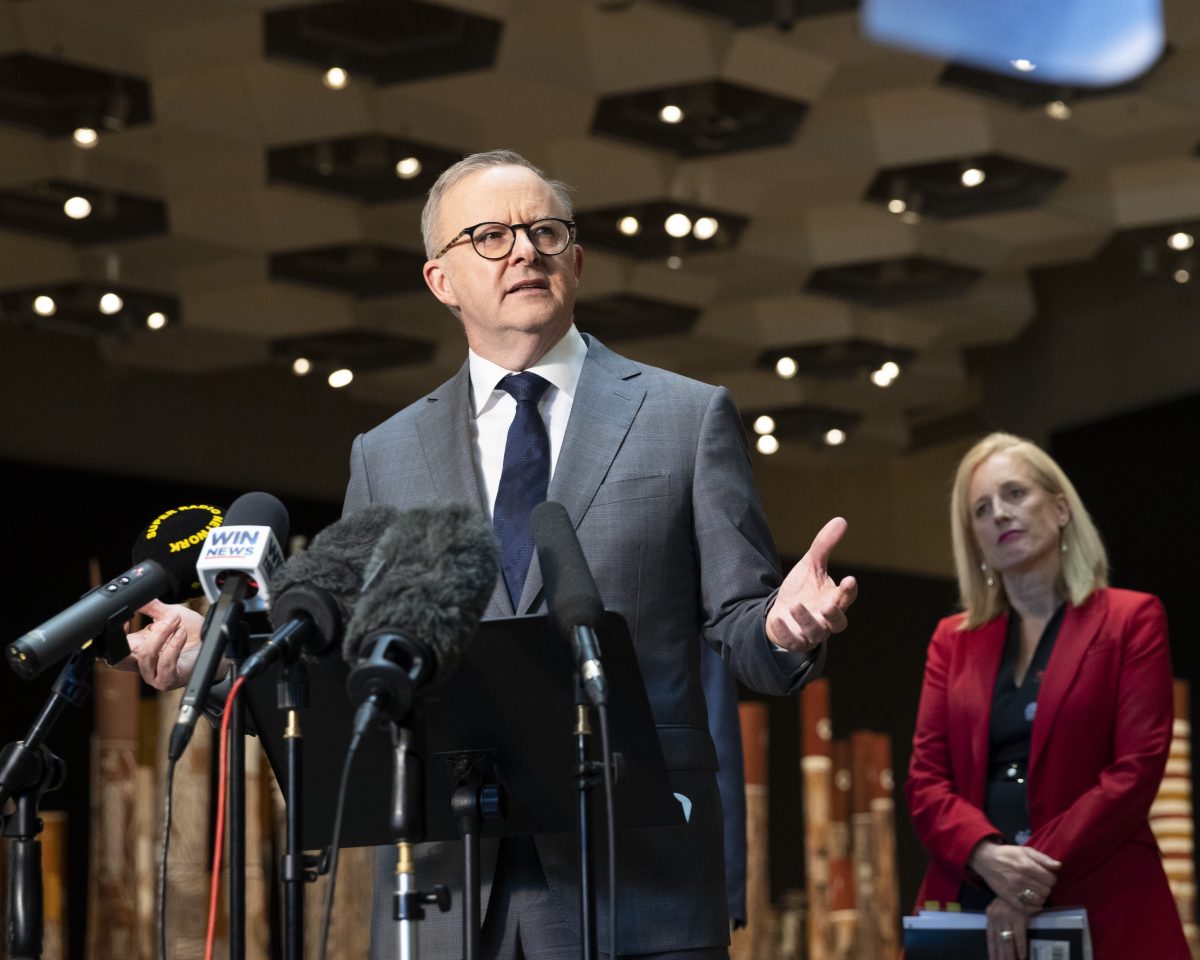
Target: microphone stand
(585, 779)
(27, 770)
(238, 643)
(408, 827)
(292, 697)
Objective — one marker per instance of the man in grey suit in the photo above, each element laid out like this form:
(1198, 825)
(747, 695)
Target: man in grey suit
(653, 471)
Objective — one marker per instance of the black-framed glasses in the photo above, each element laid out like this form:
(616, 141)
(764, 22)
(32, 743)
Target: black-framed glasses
(494, 241)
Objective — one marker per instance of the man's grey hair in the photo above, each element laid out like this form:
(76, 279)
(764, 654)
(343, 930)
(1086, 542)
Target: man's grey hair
(464, 168)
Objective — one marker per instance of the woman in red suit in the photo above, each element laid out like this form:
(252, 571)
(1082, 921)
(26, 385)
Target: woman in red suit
(1045, 720)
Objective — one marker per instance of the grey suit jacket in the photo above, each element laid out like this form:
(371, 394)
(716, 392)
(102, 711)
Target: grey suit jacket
(655, 475)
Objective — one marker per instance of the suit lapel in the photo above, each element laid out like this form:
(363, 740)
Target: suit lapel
(983, 654)
(446, 442)
(1080, 626)
(607, 398)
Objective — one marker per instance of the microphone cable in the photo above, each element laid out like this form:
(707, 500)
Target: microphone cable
(219, 841)
(335, 843)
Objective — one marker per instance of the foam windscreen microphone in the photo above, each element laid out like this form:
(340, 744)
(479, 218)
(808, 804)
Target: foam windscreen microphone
(571, 595)
(428, 581)
(164, 568)
(314, 593)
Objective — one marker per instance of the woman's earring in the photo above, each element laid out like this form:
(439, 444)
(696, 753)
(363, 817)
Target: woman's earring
(991, 581)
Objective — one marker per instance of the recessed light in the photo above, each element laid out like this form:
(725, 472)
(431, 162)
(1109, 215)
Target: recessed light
(301, 366)
(341, 378)
(835, 437)
(157, 320)
(671, 114)
(336, 78)
(85, 137)
(786, 368)
(764, 425)
(678, 225)
(705, 228)
(111, 303)
(629, 226)
(78, 208)
(408, 167)
(44, 306)
(767, 444)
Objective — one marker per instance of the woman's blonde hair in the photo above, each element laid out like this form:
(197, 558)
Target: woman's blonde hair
(1084, 562)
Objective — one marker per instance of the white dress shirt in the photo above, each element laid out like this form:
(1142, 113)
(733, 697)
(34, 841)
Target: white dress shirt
(493, 409)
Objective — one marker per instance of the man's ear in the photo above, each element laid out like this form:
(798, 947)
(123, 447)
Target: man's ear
(439, 283)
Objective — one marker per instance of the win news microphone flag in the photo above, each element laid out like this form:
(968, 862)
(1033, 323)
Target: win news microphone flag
(164, 568)
(236, 569)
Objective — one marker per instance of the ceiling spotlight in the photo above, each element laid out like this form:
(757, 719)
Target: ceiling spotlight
(85, 137)
(896, 205)
(341, 378)
(890, 369)
(678, 225)
(670, 114)
(1058, 109)
(301, 366)
(629, 226)
(786, 368)
(881, 379)
(834, 437)
(972, 177)
(44, 306)
(1025, 66)
(705, 228)
(1181, 241)
(111, 303)
(77, 208)
(157, 320)
(1182, 276)
(767, 444)
(408, 167)
(674, 263)
(764, 425)
(335, 78)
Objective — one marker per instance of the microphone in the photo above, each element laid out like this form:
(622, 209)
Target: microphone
(240, 567)
(316, 589)
(247, 545)
(164, 568)
(427, 583)
(571, 594)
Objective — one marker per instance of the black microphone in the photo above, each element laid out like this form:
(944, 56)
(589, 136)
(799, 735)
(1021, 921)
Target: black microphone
(242, 567)
(571, 594)
(426, 586)
(164, 557)
(315, 591)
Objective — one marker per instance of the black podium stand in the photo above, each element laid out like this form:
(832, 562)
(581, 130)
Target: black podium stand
(508, 711)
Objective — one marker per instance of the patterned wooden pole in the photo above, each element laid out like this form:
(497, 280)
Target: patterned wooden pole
(843, 914)
(1171, 818)
(887, 881)
(816, 764)
(190, 854)
(112, 890)
(864, 764)
(753, 941)
(54, 885)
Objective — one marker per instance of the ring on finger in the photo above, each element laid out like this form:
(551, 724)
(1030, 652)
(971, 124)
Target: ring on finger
(1027, 897)
(1006, 935)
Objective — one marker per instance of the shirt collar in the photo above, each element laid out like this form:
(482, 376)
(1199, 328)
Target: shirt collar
(561, 365)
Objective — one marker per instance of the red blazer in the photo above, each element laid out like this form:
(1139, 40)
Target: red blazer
(1099, 746)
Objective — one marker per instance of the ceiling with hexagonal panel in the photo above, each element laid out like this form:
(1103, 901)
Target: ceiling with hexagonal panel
(835, 229)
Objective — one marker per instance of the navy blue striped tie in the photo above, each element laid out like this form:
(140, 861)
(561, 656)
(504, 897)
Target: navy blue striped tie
(524, 480)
